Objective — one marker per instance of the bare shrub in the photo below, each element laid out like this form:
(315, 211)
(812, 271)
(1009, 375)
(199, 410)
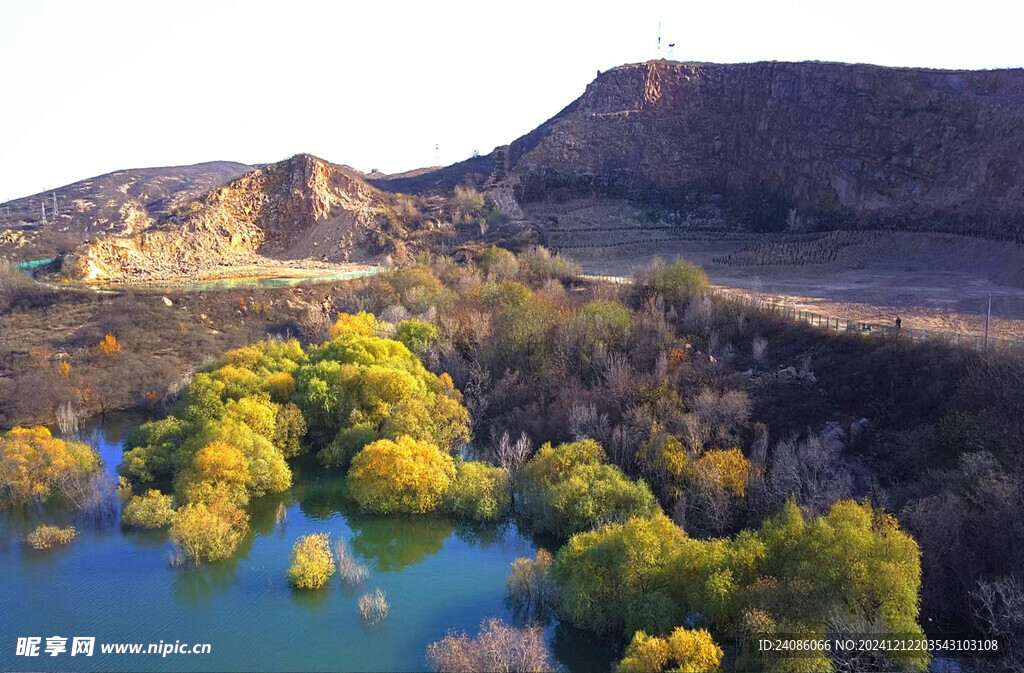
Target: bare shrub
(998, 610)
(315, 324)
(96, 497)
(394, 314)
(512, 455)
(585, 422)
(619, 375)
(539, 265)
(373, 607)
(722, 415)
(757, 349)
(697, 318)
(554, 291)
(810, 470)
(498, 647)
(351, 571)
(67, 419)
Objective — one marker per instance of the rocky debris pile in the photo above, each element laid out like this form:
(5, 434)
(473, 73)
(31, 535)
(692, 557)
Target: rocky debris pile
(791, 373)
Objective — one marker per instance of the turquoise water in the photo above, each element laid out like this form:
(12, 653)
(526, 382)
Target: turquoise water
(119, 587)
(25, 266)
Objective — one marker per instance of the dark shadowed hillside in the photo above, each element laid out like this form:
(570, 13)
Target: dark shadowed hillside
(783, 146)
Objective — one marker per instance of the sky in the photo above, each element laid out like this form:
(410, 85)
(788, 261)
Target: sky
(90, 87)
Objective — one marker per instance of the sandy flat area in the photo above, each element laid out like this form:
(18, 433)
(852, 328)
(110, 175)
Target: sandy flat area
(947, 292)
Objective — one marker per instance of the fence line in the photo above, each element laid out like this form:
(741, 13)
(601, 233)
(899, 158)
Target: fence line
(835, 324)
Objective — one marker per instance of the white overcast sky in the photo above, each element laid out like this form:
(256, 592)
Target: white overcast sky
(87, 87)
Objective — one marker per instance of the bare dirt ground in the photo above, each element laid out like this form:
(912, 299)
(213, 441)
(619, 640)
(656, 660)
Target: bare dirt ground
(930, 281)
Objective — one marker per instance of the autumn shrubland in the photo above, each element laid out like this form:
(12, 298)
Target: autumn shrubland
(702, 478)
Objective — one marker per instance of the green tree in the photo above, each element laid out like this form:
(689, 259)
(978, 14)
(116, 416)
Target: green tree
(570, 488)
(480, 492)
(379, 385)
(152, 510)
(416, 334)
(615, 579)
(289, 431)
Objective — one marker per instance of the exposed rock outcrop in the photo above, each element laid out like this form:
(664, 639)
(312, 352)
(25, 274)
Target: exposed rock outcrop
(793, 146)
(300, 208)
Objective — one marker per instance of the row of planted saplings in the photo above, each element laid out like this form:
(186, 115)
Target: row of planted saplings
(313, 563)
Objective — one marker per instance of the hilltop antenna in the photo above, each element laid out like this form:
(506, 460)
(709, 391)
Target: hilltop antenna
(659, 39)
(437, 154)
(671, 51)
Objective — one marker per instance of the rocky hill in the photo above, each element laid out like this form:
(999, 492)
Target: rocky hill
(782, 147)
(302, 208)
(118, 203)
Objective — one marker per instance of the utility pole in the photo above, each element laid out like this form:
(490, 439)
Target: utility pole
(988, 319)
(55, 205)
(42, 209)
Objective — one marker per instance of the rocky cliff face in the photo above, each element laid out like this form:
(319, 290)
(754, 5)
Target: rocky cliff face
(300, 208)
(792, 146)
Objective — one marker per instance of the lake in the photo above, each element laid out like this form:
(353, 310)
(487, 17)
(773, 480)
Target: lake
(118, 586)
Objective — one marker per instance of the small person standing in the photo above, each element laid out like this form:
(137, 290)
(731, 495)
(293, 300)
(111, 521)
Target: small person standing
(899, 323)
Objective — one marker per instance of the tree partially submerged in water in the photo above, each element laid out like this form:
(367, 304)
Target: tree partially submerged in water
(402, 476)
(497, 647)
(312, 562)
(795, 575)
(151, 510)
(34, 465)
(688, 650)
(209, 532)
(44, 537)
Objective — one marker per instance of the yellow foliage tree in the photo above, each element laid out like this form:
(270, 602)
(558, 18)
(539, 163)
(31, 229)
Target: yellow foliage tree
(64, 368)
(208, 532)
(645, 654)
(219, 471)
(34, 464)
(405, 475)
(281, 387)
(109, 345)
(728, 469)
(152, 510)
(360, 324)
(312, 562)
(687, 651)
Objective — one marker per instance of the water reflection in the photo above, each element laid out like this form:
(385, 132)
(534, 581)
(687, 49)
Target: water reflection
(198, 585)
(395, 542)
(438, 573)
(578, 650)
